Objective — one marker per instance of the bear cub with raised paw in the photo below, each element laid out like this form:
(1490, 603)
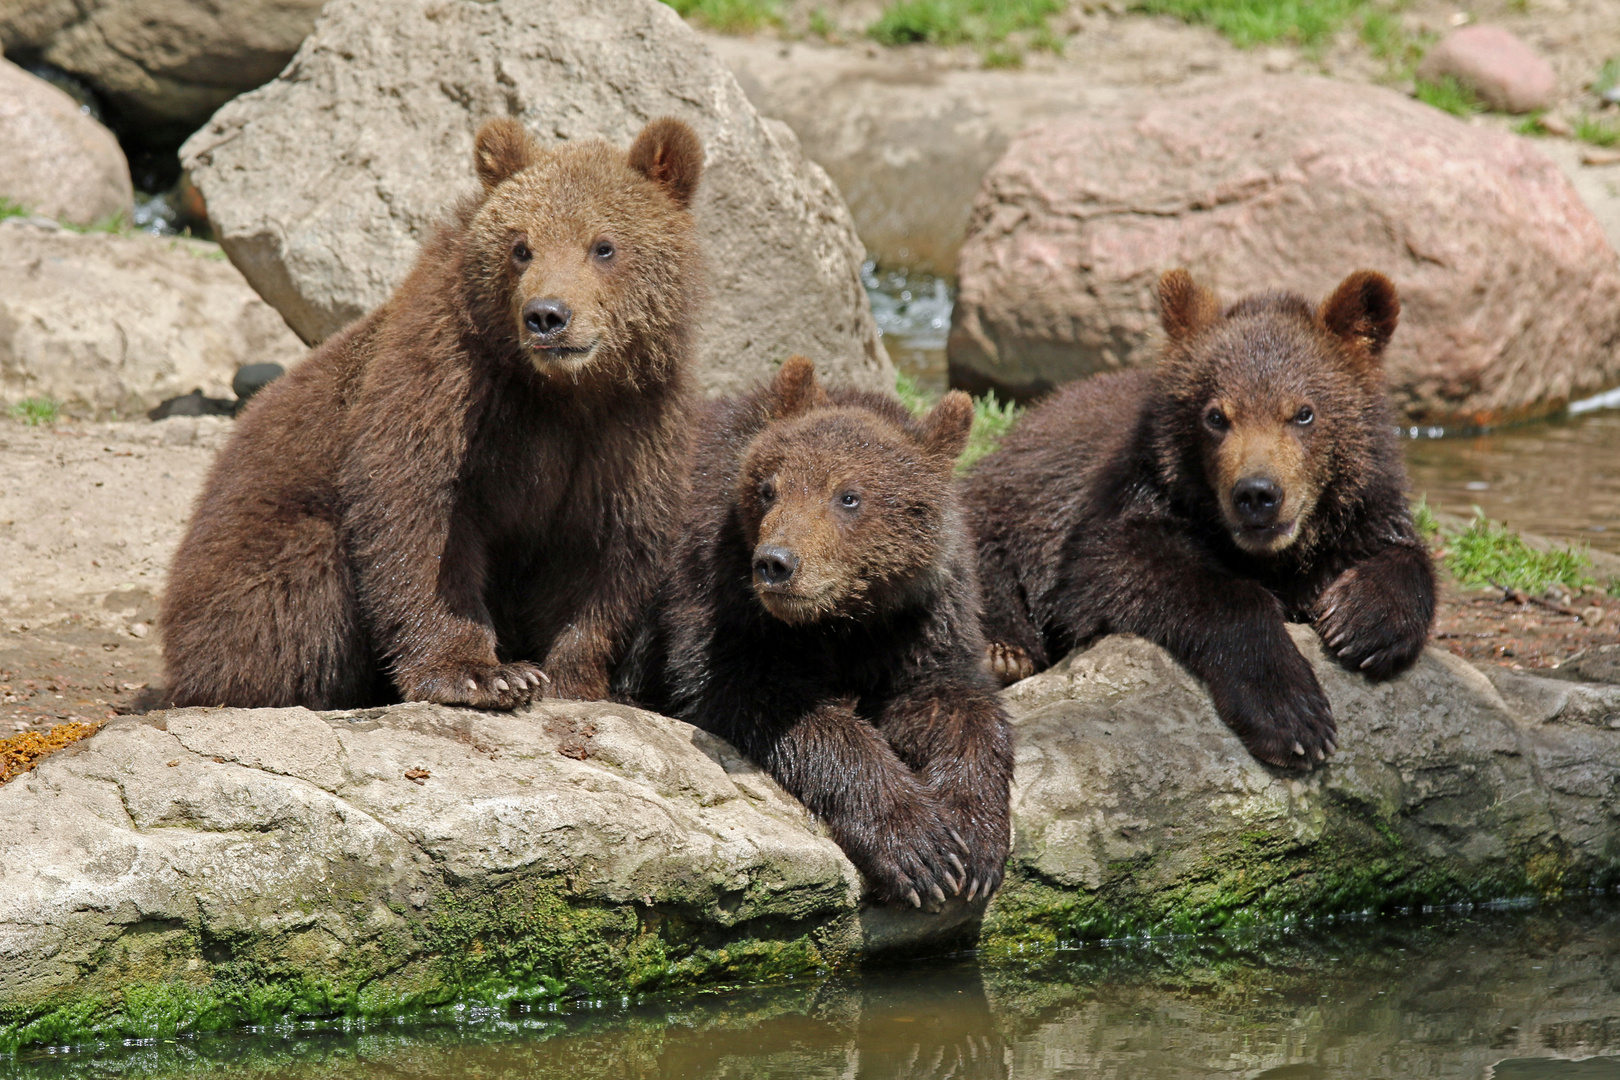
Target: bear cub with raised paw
(1251, 479)
(821, 614)
(463, 497)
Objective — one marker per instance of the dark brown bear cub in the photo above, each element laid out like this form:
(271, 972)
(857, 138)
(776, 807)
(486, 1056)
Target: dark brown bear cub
(821, 614)
(465, 494)
(1251, 479)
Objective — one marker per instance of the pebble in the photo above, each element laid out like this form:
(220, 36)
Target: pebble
(1600, 157)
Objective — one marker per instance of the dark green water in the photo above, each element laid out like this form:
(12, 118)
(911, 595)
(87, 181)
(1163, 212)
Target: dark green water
(1526, 994)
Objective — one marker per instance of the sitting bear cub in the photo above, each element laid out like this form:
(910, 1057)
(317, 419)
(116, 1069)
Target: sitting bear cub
(1251, 479)
(463, 495)
(821, 614)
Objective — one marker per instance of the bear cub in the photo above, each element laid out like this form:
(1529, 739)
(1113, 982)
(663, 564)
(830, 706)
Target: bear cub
(463, 496)
(1251, 479)
(821, 614)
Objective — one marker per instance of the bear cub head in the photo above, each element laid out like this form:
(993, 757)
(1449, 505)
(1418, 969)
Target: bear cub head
(849, 506)
(1272, 408)
(583, 255)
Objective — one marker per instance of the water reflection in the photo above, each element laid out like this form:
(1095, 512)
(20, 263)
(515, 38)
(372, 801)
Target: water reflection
(1532, 994)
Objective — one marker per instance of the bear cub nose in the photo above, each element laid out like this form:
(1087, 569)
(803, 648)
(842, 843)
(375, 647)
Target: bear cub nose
(547, 318)
(774, 565)
(1258, 500)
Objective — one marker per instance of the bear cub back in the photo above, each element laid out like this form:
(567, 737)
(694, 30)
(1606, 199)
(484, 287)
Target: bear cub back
(821, 613)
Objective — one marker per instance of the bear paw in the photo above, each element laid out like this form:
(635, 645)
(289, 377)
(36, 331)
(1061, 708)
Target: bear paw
(1008, 663)
(1283, 718)
(1368, 628)
(482, 686)
(918, 862)
(986, 861)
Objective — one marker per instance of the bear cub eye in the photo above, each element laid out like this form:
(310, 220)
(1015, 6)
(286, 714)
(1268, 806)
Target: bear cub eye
(1215, 419)
(849, 500)
(767, 491)
(521, 253)
(1304, 416)
(604, 250)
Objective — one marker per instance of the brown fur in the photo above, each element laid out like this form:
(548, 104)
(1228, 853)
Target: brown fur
(856, 676)
(1252, 478)
(447, 501)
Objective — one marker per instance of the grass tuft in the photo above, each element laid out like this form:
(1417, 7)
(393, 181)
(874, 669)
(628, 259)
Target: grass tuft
(35, 411)
(822, 26)
(1489, 553)
(1423, 519)
(984, 23)
(1388, 39)
(1309, 23)
(992, 418)
(11, 209)
(1596, 132)
(1448, 95)
(729, 16)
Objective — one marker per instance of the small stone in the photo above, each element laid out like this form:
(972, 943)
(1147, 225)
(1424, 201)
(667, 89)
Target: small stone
(1279, 60)
(1600, 157)
(1592, 616)
(251, 378)
(1506, 73)
(1553, 124)
(139, 630)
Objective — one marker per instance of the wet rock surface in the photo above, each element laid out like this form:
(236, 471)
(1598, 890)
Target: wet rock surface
(1510, 292)
(414, 854)
(112, 324)
(55, 160)
(322, 184)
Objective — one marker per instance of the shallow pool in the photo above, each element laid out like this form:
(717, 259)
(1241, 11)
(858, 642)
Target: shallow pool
(1531, 993)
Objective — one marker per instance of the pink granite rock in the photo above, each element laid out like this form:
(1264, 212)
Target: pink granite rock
(1506, 73)
(1510, 291)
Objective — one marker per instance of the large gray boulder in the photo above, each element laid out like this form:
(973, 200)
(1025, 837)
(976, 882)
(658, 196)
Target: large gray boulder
(163, 63)
(1510, 291)
(322, 184)
(253, 863)
(1137, 810)
(906, 141)
(55, 160)
(113, 324)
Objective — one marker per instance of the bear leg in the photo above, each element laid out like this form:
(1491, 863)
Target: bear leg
(959, 741)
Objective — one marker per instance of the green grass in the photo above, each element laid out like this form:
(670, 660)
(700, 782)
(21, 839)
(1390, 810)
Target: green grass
(1448, 95)
(1423, 519)
(10, 209)
(1530, 125)
(1596, 132)
(729, 16)
(822, 26)
(1489, 553)
(1310, 23)
(1388, 39)
(992, 418)
(984, 23)
(1608, 76)
(35, 411)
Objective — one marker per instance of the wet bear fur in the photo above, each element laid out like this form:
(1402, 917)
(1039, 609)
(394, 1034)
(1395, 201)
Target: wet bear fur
(821, 615)
(1252, 478)
(465, 493)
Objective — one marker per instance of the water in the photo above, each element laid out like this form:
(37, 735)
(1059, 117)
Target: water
(1560, 479)
(913, 313)
(1533, 994)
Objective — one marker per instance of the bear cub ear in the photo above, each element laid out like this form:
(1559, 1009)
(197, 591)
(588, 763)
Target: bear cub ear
(501, 151)
(1185, 308)
(796, 390)
(1363, 311)
(670, 154)
(946, 427)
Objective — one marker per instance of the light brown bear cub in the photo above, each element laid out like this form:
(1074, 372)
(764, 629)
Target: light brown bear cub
(463, 496)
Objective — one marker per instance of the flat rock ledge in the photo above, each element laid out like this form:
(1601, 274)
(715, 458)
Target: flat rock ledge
(207, 868)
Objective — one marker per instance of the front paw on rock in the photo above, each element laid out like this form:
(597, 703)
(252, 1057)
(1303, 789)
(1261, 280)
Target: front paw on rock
(1008, 663)
(491, 686)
